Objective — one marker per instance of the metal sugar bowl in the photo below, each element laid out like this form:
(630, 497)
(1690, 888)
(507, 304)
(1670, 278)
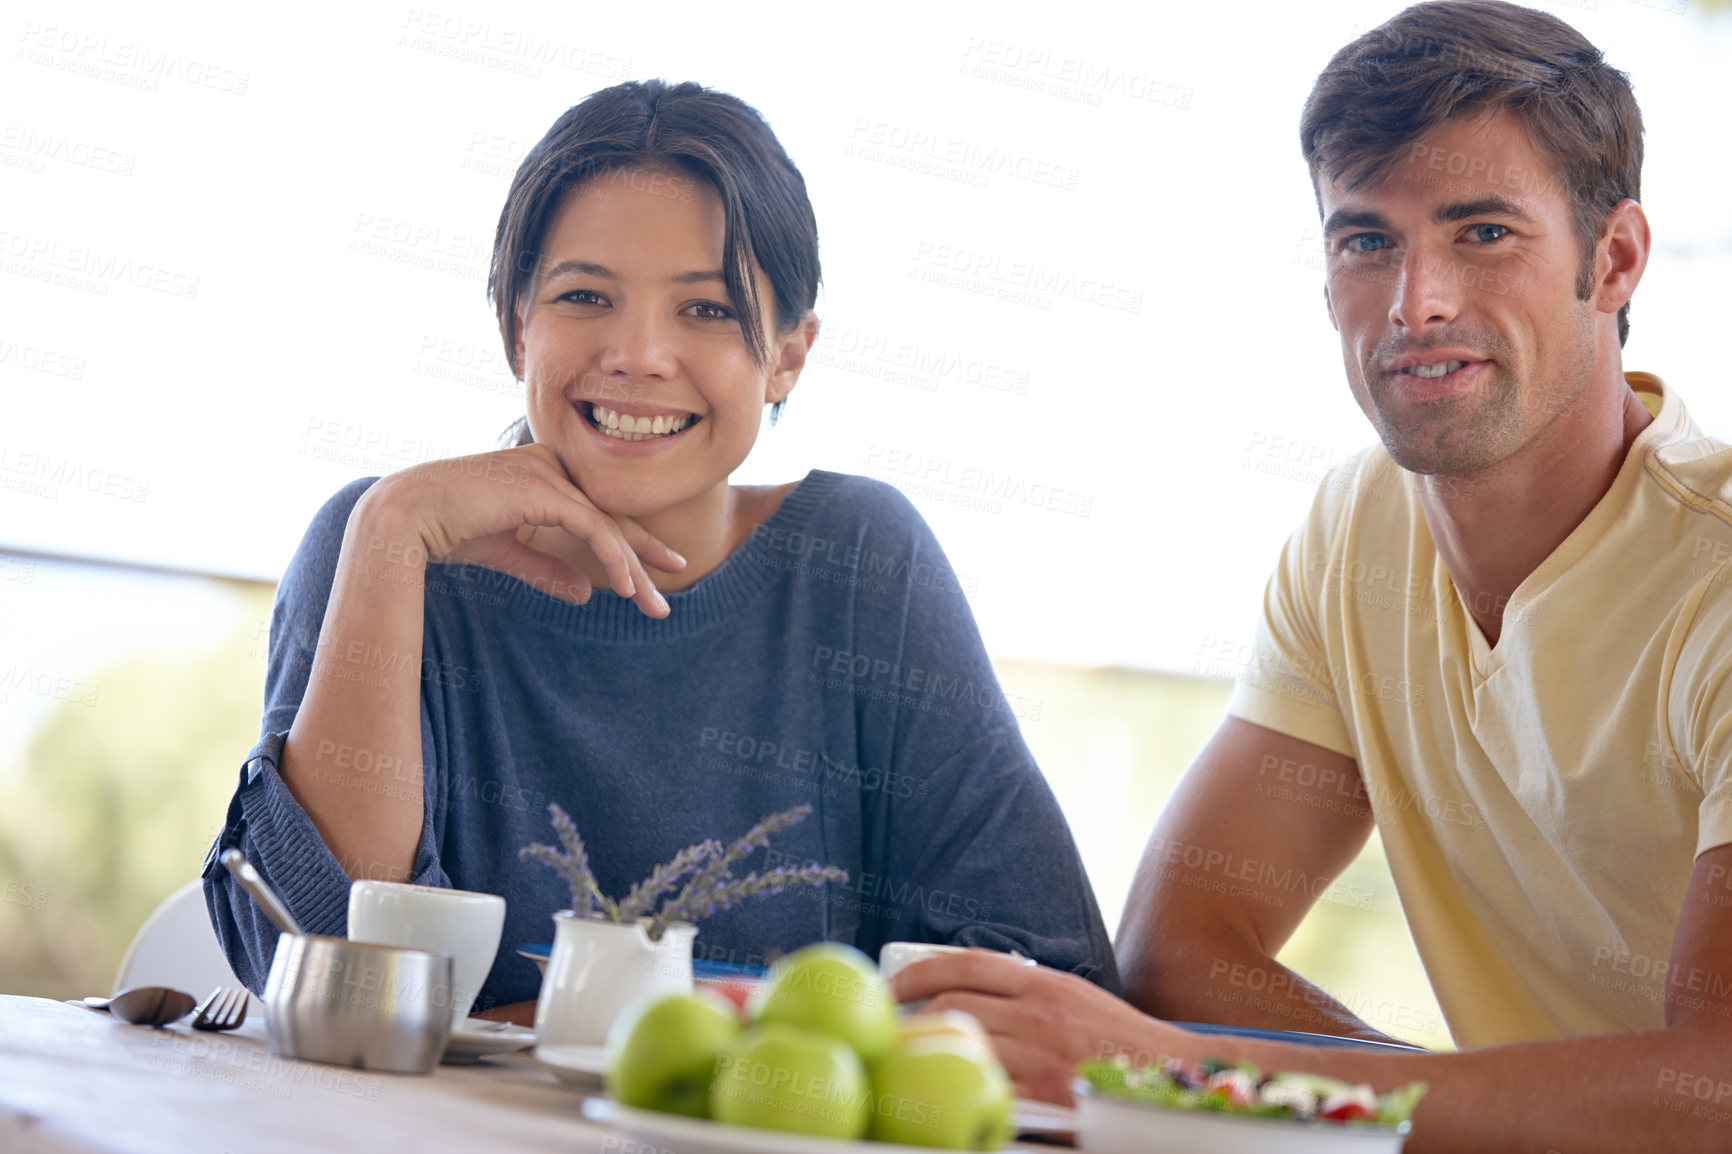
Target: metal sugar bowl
(350, 1003)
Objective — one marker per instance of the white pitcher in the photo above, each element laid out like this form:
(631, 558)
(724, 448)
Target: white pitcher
(598, 968)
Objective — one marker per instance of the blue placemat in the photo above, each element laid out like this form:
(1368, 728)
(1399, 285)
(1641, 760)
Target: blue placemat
(722, 970)
(1293, 1037)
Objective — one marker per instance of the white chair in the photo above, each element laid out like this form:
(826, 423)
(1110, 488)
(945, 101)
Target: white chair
(177, 947)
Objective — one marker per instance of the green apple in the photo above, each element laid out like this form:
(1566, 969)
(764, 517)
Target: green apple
(944, 1024)
(940, 1091)
(662, 1052)
(834, 989)
(781, 1077)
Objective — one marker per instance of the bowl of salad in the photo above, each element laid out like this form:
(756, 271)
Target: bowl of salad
(1175, 1107)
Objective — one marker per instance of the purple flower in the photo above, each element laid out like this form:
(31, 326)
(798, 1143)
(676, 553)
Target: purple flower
(711, 885)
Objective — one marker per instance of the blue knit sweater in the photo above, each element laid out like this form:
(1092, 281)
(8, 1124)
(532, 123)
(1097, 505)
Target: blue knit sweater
(831, 660)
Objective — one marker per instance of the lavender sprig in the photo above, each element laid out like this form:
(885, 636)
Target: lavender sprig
(717, 872)
(572, 865)
(708, 867)
(690, 906)
(642, 898)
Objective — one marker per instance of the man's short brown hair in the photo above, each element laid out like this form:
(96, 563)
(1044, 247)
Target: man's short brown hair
(1451, 59)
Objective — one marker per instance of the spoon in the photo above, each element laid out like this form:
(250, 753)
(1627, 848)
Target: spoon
(249, 879)
(144, 1005)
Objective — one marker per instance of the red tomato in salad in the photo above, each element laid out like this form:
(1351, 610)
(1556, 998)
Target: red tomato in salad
(1348, 1112)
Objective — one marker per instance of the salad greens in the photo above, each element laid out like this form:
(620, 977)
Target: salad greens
(1241, 1089)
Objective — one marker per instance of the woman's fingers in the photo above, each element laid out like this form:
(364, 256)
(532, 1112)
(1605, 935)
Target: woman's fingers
(486, 510)
(649, 549)
(546, 574)
(615, 541)
(625, 572)
(510, 553)
(648, 597)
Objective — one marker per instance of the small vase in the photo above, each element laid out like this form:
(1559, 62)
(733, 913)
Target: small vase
(598, 968)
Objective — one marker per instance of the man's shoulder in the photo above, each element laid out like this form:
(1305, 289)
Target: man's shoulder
(1682, 466)
(1695, 473)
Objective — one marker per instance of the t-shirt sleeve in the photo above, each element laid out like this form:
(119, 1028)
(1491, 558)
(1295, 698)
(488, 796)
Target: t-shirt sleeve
(264, 820)
(976, 851)
(1700, 711)
(1283, 681)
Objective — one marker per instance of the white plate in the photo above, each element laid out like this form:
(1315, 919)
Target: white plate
(586, 1066)
(578, 1065)
(478, 1037)
(1031, 1117)
(674, 1134)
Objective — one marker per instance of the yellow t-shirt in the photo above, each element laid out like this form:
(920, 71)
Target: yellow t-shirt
(1541, 803)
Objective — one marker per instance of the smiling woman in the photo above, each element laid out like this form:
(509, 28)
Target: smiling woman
(447, 657)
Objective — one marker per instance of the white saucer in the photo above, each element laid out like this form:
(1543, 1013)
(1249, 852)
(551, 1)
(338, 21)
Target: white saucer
(478, 1037)
(578, 1065)
(673, 1134)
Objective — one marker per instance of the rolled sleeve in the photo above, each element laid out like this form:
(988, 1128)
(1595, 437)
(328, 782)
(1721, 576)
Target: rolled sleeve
(274, 833)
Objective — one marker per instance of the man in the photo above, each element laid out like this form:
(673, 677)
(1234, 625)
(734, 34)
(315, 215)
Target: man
(1539, 722)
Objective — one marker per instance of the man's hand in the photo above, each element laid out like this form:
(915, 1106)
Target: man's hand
(1042, 1022)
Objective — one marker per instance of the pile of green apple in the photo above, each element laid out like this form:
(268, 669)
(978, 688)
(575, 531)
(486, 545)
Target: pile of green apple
(823, 1051)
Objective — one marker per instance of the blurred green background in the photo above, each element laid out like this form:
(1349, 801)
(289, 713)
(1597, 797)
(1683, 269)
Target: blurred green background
(115, 771)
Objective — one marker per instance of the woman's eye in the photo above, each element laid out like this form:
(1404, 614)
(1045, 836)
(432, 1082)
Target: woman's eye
(1486, 233)
(583, 297)
(711, 311)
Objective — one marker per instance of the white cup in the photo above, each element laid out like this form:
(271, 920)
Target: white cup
(895, 956)
(461, 923)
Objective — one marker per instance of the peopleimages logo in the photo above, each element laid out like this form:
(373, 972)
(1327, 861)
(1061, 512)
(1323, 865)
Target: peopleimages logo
(123, 62)
(28, 468)
(1023, 282)
(970, 484)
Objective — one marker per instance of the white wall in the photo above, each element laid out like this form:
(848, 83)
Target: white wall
(265, 235)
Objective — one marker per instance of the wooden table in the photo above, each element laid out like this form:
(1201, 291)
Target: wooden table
(74, 1080)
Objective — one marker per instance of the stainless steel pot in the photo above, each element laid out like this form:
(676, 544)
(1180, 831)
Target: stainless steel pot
(349, 1003)
(353, 1004)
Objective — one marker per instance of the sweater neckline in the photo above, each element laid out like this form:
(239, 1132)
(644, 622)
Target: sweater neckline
(738, 581)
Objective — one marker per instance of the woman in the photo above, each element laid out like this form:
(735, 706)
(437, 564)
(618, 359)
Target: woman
(440, 668)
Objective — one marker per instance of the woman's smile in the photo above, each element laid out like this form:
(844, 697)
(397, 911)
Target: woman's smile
(635, 423)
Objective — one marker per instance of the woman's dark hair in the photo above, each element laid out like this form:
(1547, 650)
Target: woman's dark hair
(685, 128)
(1451, 59)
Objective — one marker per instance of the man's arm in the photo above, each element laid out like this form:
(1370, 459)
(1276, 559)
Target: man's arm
(1667, 1090)
(1212, 902)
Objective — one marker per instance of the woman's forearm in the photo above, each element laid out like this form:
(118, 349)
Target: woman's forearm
(353, 755)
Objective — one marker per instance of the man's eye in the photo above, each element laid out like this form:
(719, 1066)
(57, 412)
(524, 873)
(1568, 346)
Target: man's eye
(1486, 233)
(1366, 242)
(583, 297)
(711, 311)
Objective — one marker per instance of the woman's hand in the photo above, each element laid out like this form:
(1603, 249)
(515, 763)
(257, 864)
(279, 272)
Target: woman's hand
(482, 510)
(1043, 1023)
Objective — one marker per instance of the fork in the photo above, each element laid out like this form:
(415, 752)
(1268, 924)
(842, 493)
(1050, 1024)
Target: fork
(224, 1009)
